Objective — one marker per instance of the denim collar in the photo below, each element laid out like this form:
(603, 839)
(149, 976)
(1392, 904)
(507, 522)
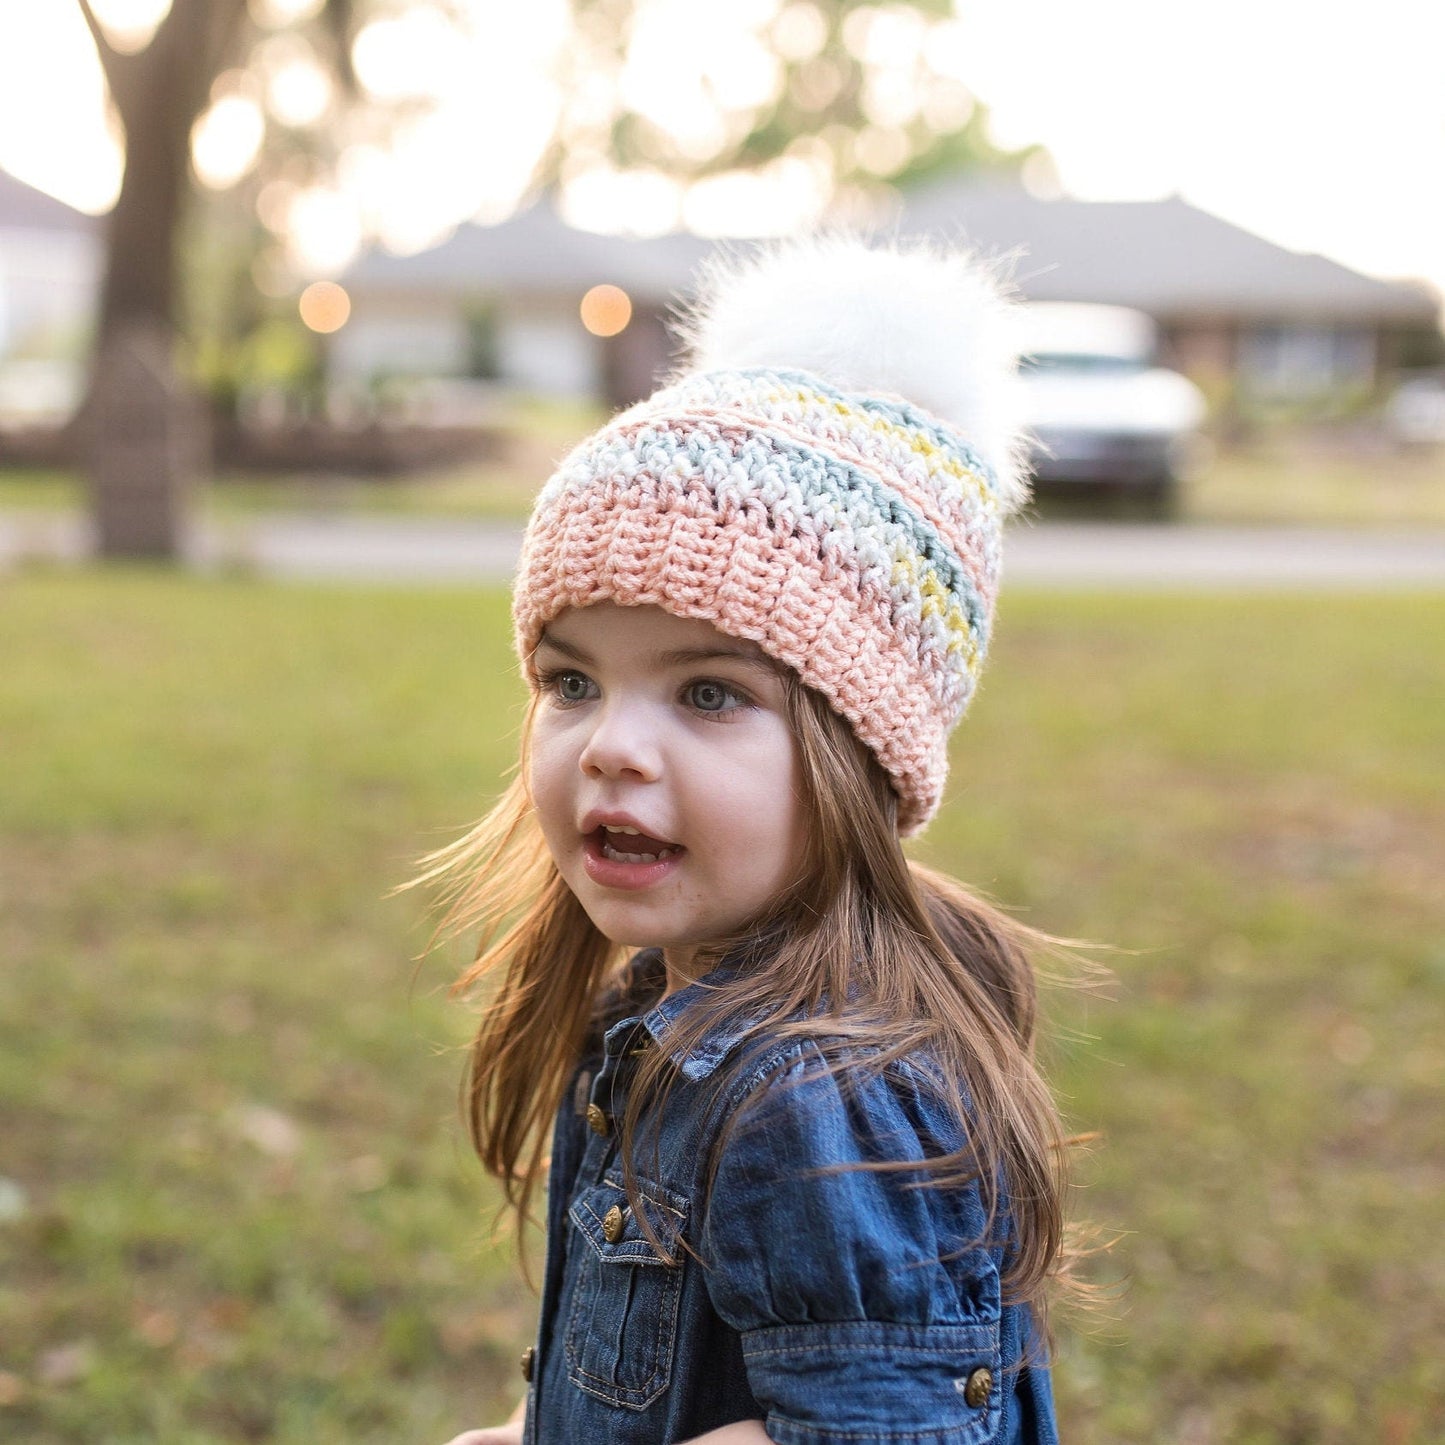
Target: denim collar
(660, 1020)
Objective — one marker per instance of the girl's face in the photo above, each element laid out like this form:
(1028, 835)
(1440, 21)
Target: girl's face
(665, 776)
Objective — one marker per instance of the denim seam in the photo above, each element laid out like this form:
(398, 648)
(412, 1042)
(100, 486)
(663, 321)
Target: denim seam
(631, 1397)
(612, 1266)
(631, 1251)
(838, 1336)
(898, 1352)
(959, 1433)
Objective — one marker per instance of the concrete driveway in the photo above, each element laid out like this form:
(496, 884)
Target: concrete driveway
(1053, 554)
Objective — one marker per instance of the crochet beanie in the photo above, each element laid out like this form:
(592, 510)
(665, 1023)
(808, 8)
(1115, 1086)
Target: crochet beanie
(827, 478)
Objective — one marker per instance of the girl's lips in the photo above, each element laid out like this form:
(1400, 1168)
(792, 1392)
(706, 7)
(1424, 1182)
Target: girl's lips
(613, 872)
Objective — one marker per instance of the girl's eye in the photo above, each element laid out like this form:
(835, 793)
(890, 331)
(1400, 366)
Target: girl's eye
(568, 686)
(711, 696)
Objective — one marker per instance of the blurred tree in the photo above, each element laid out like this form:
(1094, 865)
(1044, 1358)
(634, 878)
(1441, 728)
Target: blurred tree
(841, 100)
(141, 441)
(828, 101)
(144, 436)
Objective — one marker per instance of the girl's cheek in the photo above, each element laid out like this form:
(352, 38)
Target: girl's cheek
(539, 776)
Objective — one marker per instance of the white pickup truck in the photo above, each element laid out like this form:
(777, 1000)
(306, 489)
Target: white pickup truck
(1100, 413)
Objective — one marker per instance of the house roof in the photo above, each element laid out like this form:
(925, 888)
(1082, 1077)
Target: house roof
(1165, 257)
(23, 208)
(536, 251)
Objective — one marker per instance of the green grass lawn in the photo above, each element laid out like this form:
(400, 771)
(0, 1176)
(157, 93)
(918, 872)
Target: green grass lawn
(237, 1204)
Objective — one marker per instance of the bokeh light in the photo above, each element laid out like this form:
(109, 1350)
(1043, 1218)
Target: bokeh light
(129, 24)
(700, 77)
(283, 12)
(606, 310)
(800, 31)
(325, 306)
(323, 231)
(298, 88)
(227, 140)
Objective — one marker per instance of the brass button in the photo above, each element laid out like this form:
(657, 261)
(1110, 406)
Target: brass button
(597, 1121)
(613, 1223)
(977, 1387)
(529, 1358)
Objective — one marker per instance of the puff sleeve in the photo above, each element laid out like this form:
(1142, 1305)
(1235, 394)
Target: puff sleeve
(867, 1301)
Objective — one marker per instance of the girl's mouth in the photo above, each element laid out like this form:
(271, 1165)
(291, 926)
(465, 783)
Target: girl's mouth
(622, 844)
(620, 856)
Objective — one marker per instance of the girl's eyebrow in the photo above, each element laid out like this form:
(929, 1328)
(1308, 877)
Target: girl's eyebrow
(565, 648)
(683, 656)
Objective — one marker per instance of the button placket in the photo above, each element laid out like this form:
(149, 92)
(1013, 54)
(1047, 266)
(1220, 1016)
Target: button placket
(606, 1098)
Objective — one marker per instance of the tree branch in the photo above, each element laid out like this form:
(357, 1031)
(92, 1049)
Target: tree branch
(96, 33)
(120, 70)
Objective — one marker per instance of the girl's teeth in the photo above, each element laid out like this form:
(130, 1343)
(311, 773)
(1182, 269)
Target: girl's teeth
(615, 855)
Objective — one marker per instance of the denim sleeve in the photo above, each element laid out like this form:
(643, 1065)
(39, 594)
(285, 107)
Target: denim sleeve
(868, 1306)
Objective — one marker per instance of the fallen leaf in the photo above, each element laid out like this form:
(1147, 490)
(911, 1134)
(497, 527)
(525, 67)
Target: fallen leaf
(272, 1132)
(66, 1364)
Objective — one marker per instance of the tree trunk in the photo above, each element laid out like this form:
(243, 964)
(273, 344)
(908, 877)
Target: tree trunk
(142, 439)
(142, 454)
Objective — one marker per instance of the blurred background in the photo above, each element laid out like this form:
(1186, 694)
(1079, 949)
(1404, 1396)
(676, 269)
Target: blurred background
(300, 300)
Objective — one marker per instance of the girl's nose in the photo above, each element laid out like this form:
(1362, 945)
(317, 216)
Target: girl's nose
(621, 745)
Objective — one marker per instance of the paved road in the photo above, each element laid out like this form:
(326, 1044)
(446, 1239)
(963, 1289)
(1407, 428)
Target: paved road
(1098, 554)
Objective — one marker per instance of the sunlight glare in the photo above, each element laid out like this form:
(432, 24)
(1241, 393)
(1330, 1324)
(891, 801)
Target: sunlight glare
(130, 24)
(882, 150)
(892, 97)
(627, 203)
(299, 93)
(949, 45)
(948, 107)
(693, 71)
(226, 140)
(800, 31)
(891, 36)
(274, 14)
(818, 83)
(325, 232)
(412, 55)
(1314, 112)
(786, 195)
(55, 129)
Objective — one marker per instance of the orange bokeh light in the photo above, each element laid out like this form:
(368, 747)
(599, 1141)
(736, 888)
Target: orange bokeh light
(606, 310)
(324, 306)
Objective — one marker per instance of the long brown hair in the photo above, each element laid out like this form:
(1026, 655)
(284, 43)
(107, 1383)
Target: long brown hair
(866, 948)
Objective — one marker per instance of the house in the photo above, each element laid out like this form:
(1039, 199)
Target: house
(503, 302)
(1238, 312)
(1243, 316)
(50, 267)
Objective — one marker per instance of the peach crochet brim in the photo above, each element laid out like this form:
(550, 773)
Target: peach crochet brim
(854, 538)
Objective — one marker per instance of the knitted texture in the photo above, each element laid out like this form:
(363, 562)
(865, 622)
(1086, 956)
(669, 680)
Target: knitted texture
(854, 538)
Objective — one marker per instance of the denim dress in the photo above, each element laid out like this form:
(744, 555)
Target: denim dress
(840, 1306)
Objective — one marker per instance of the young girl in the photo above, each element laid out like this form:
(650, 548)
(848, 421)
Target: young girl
(803, 1182)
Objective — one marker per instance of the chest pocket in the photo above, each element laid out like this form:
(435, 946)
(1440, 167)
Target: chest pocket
(622, 1324)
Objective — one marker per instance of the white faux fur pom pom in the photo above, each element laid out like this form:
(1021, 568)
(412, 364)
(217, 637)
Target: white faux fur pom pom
(932, 327)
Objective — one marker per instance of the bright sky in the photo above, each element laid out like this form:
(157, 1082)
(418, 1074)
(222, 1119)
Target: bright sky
(1320, 126)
